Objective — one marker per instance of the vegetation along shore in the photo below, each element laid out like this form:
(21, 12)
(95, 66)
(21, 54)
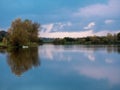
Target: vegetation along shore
(24, 33)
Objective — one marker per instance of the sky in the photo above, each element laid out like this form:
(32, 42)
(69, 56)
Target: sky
(64, 18)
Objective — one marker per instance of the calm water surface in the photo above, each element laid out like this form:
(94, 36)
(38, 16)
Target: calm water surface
(69, 67)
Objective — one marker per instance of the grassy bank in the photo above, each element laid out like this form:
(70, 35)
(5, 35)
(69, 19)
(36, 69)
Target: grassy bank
(2, 45)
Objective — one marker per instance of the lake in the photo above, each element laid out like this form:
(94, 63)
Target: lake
(61, 67)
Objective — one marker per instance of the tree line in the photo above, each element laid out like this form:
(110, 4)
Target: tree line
(106, 40)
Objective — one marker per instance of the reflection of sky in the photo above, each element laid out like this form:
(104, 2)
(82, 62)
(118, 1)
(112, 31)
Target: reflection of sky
(67, 68)
(98, 63)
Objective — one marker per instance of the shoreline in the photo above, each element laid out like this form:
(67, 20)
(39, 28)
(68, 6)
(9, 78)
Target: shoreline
(3, 47)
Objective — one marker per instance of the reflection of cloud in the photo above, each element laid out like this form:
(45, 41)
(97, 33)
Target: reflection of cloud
(108, 60)
(110, 73)
(90, 56)
(77, 55)
(47, 52)
(51, 51)
(62, 57)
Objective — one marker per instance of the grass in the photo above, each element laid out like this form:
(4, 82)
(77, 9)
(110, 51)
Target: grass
(1, 44)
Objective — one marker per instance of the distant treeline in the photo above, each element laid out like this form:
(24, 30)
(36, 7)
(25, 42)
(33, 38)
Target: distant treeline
(107, 40)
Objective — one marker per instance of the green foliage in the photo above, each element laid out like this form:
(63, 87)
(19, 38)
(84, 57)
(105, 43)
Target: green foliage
(2, 35)
(118, 36)
(59, 41)
(1, 43)
(4, 41)
(40, 41)
(109, 39)
(23, 32)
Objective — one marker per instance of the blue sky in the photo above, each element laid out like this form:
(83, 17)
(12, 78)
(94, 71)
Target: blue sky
(61, 18)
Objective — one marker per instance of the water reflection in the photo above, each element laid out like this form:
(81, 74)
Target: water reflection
(64, 67)
(96, 62)
(21, 60)
(2, 51)
(50, 51)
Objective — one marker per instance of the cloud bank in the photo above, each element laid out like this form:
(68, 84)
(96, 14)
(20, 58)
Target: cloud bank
(76, 34)
(112, 9)
(95, 19)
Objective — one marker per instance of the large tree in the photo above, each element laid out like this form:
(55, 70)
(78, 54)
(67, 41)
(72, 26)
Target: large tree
(32, 29)
(23, 32)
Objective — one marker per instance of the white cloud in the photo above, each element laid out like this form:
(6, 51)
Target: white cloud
(47, 28)
(112, 9)
(109, 21)
(90, 25)
(76, 34)
(67, 34)
(105, 32)
(55, 26)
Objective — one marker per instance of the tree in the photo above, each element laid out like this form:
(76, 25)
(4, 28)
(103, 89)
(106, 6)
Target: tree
(118, 36)
(2, 35)
(32, 29)
(4, 41)
(18, 36)
(115, 38)
(110, 38)
(94, 40)
(23, 32)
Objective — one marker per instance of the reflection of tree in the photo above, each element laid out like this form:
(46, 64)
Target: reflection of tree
(108, 48)
(3, 51)
(21, 60)
(113, 48)
(118, 49)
